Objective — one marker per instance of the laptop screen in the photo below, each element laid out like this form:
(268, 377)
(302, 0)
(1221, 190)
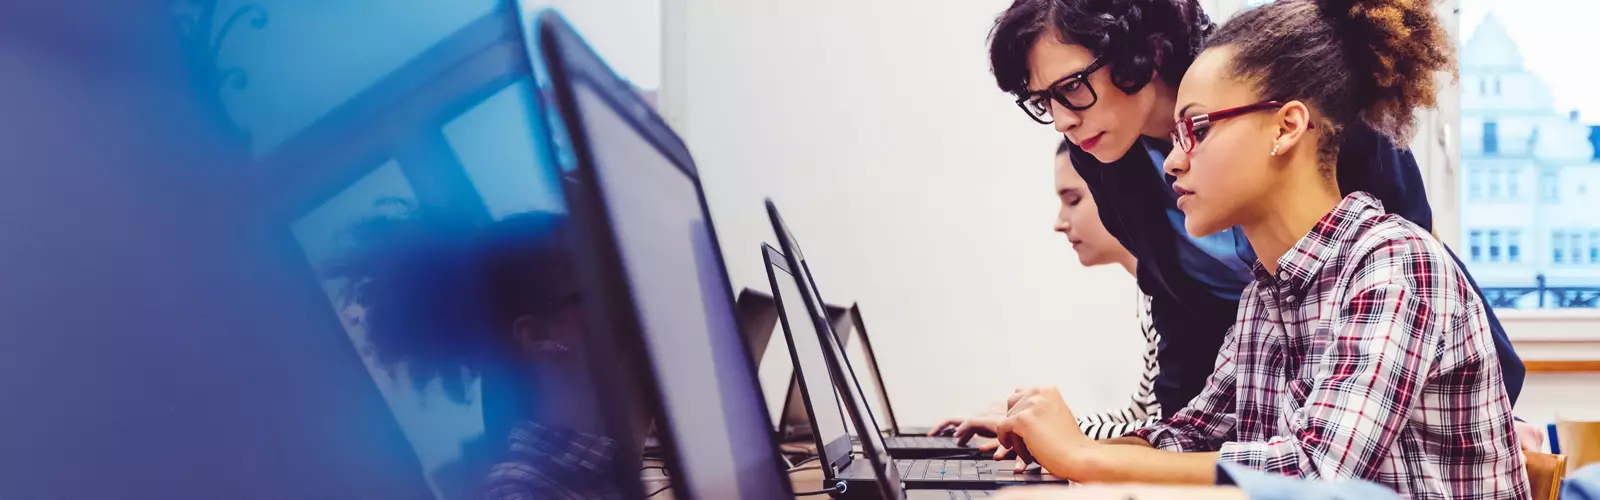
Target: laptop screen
(828, 419)
(685, 310)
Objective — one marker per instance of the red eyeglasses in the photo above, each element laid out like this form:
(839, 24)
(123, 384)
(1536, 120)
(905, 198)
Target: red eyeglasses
(1190, 131)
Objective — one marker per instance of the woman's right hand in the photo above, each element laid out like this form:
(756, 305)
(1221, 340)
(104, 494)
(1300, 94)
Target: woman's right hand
(981, 426)
(966, 428)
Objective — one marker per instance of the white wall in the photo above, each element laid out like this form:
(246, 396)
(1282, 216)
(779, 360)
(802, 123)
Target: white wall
(914, 185)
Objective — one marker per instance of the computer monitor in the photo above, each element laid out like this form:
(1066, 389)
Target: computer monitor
(824, 344)
(643, 218)
(830, 427)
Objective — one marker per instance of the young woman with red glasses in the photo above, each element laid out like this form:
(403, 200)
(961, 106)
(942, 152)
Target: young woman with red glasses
(1359, 349)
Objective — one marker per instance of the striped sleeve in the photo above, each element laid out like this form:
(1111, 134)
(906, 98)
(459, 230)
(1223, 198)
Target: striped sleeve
(1143, 410)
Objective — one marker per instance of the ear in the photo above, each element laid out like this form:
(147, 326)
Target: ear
(1294, 120)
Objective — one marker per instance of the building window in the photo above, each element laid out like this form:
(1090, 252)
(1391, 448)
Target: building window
(1558, 242)
(1594, 247)
(1477, 245)
(1497, 86)
(1494, 184)
(1483, 86)
(1494, 246)
(1491, 138)
(1474, 185)
(1513, 184)
(1514, 245)
(1552, 190)
(1576, 247)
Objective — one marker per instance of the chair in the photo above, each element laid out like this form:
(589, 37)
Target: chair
(1544, 474)
(1580, 441)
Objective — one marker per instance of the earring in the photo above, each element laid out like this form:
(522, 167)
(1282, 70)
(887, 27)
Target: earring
(1274, 150)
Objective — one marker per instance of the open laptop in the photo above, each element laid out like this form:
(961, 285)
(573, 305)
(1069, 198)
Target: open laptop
(829, 389)
(758, 319)
(650, 248)
(899, 446)
(857, 328)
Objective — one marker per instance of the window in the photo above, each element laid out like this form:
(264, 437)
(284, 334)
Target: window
(1552, 190)
(1594, 247)
(1558, 242)
(1494, 246)
(1576, 246)
(1524, 161)
(1491, 138)
(1514, 246)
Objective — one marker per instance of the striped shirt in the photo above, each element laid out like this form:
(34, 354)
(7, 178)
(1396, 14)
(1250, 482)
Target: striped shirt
(1143, 410)
(1366, 356)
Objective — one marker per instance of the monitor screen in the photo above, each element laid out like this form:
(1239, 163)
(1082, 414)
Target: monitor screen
(830, 427)
(672, 264)
(452, 276)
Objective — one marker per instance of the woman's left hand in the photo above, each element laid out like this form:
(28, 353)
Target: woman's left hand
(1041, 423)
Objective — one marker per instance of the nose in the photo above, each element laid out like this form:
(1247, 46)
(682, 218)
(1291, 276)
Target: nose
(1177, 162)
(1062, 225)
(1064, 119)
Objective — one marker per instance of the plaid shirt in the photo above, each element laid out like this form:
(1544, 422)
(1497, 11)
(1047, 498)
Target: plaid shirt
(555, 464)
(1367, 356)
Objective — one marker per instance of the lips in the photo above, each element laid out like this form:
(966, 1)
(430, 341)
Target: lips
(1183, 195)
(1090, 143)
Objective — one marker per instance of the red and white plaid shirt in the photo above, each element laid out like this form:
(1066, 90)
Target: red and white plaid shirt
(1367, 356)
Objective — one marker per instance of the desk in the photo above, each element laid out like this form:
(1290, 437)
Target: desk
(654, 479)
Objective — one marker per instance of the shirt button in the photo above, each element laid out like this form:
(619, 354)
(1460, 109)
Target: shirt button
(1290, 299)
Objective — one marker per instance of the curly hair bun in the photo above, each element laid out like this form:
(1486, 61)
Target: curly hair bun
(1402, 46)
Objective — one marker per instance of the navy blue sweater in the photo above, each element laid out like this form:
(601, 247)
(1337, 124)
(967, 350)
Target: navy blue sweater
(1133, 201)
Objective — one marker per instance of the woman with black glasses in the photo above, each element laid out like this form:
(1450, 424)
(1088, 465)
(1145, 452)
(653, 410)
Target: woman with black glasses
(1105, 74)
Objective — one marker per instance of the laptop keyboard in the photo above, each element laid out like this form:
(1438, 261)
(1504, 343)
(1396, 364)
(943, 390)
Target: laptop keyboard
(946, 470)
(969, 494)
(922, 442)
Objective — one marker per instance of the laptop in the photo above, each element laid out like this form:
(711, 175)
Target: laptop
(899, 446)
(830, 388)
(858, 328)
(758, 318)
(649, 246)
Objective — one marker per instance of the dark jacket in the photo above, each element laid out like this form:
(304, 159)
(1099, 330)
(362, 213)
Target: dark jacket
(1133, 202)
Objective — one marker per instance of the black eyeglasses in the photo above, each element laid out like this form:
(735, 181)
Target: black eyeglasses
(1072, 91)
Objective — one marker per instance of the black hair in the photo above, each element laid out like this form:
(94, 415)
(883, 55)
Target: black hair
(440, 293)
(1366, 63)
(1064, 148)
(1137, 38)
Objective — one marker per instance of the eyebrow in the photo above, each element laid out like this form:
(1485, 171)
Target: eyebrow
(1064, 78)
(1184, 112)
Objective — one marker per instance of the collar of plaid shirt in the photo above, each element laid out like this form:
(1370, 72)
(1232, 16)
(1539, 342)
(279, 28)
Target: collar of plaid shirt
(1299, 268)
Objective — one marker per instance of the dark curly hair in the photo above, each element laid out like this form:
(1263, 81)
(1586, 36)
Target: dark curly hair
(1366, 63)
(1136, 37)
(440, 293)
